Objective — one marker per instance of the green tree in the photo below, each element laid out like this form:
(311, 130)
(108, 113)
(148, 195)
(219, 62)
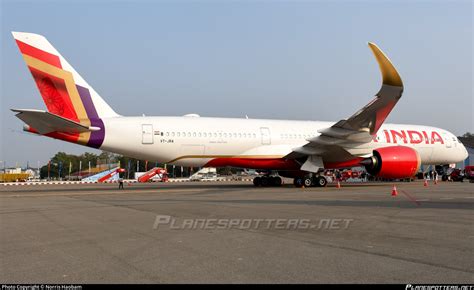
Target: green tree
(467, 139)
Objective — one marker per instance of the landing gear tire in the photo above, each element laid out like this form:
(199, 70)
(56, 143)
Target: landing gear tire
(257, 181)
(308, 181)
(265, 181)
(298, 182)
(321, 181)
(276, 181)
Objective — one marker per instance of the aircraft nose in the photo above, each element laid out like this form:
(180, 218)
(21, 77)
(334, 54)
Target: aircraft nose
(465, 154)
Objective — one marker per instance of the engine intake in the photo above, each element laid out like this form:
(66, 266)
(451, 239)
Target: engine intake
(393, 162)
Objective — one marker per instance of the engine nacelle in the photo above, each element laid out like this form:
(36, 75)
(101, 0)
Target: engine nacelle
(393, 162)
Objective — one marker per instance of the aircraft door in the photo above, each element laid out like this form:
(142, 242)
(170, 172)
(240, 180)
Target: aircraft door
(266, 136)
(147, 134)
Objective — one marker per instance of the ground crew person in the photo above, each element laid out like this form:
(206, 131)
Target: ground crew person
(120, 183)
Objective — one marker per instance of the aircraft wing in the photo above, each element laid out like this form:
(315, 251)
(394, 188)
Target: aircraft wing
(45, 122)
(349, 138)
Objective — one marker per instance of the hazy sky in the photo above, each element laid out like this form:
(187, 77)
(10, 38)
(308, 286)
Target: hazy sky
(267, 59)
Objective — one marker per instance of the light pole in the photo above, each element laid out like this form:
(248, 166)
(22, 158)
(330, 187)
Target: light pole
(128, 168)
(60, 167)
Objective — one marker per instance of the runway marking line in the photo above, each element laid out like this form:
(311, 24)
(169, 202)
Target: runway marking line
(410, 197)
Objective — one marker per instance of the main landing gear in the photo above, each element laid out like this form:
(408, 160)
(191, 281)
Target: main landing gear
(267, 181)
(308, 181)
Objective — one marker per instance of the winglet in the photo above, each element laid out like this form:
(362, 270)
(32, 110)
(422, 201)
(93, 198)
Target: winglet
(390, 75)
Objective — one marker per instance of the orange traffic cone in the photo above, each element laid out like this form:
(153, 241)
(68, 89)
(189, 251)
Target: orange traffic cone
(394, 191)
(425, 183)
(338, 185)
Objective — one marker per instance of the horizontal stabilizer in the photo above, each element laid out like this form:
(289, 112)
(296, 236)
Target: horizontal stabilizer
(44, 122)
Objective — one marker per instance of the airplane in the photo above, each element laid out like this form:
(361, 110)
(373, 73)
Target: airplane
(301, 150)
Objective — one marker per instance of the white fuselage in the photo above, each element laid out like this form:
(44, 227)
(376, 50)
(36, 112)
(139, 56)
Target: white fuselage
(194, 141)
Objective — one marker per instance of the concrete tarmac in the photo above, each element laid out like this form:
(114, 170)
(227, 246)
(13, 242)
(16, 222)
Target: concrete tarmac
(232, 232)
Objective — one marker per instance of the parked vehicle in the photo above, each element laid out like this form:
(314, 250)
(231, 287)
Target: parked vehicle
(453, 175)
(203, 177)
(469, 173)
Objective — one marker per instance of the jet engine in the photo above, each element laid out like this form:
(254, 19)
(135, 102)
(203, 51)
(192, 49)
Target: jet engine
(393, 162)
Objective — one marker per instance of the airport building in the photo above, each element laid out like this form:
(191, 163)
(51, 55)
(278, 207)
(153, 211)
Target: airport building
(469, 160)
(469, 145)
